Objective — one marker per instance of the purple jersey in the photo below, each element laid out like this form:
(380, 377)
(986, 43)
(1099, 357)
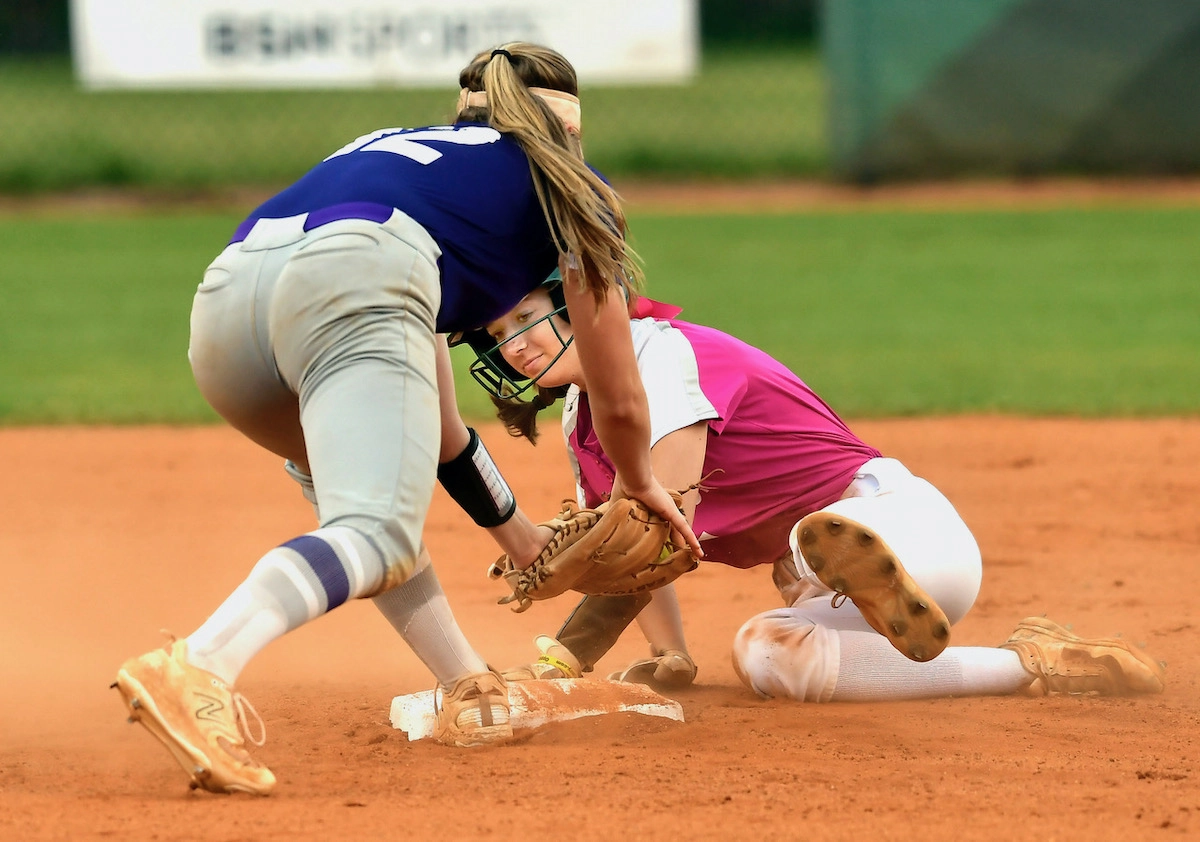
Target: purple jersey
(469, 186)
(776, 452)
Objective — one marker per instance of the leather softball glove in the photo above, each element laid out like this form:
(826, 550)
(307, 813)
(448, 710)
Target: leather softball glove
(619, 547)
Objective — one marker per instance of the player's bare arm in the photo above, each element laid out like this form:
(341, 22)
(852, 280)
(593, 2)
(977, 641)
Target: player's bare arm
(619, 409)
(517, 535)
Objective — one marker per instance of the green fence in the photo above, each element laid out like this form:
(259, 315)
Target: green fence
(752, 112)
(897, 89)
(924, 88)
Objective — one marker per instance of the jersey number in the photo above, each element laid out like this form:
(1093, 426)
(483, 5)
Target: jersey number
(407, 143)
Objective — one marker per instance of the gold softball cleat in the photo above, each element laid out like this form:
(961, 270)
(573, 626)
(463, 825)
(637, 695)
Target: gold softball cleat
(1062, 662)
(474, 712)
(197, 717)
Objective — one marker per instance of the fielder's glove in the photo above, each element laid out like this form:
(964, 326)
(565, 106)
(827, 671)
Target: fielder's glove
(620, 547)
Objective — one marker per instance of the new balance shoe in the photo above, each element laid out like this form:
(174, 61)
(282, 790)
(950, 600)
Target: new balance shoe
(201, 721)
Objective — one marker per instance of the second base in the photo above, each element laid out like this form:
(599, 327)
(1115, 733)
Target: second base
(536, 703)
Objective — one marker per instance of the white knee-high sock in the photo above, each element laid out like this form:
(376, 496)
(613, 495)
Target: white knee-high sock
(662, 623)
(870, 669)
(290, 585)
(418, 609)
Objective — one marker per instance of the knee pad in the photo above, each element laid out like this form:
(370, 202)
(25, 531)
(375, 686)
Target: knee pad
(783, 653)
(306, 485)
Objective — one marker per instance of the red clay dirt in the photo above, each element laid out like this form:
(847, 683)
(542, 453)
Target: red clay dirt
(111, 534)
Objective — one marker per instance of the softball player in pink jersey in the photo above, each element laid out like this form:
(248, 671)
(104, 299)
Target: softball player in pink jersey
(873, 562)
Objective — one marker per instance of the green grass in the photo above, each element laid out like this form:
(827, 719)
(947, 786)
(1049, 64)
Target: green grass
(751, 112)
(1035, 312)
(1046, 312)
(96, 317)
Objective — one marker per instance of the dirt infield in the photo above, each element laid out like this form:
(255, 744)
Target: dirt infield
(111, 534)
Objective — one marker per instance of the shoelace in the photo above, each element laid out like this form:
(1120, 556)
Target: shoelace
(240, 706)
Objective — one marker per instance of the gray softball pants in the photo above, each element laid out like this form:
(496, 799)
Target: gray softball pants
(319, 346)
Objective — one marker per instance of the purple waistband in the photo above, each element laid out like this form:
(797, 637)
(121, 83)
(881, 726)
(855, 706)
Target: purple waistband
(369, 211)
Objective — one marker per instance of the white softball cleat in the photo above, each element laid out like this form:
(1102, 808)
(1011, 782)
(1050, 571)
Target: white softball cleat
(669, 669)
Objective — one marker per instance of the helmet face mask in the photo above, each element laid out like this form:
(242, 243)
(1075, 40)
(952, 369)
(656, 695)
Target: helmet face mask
(492, 371)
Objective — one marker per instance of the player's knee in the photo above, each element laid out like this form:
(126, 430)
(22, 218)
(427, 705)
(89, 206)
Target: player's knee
(781, 653)
(384, 545)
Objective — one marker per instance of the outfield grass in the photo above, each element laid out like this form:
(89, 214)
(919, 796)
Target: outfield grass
(1033, 312)
(750, 112)
(1045, 312)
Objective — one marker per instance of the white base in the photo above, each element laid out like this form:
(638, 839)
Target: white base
(535, 703)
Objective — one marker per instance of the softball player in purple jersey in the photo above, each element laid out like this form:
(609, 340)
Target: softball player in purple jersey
(874, 563)
(316, 334)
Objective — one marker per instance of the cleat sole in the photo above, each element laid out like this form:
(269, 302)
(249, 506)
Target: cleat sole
(856, 563)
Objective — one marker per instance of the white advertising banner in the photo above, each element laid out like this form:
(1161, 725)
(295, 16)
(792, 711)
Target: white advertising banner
(344, 43)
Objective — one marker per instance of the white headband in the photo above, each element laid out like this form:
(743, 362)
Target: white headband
(564, 105)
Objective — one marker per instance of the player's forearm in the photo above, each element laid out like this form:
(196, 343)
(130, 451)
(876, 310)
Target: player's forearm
(625, 439)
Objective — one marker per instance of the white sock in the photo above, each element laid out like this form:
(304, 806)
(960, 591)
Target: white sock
(870, 669)
(418, 609)
(290, 585)
(661, 621)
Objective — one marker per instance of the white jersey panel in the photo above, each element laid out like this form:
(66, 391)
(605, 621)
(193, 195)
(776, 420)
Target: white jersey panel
(570, 416)
(671, 376)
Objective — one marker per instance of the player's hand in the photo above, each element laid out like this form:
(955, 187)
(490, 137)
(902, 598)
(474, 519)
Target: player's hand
(658, 500)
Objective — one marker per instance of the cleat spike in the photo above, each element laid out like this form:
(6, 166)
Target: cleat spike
(112, 686)
(854, 562)
(135, 704)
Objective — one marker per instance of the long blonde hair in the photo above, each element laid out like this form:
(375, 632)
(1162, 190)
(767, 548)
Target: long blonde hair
(584, 214)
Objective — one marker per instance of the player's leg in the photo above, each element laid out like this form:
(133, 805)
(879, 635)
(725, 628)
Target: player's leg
(804, 653)
(799, 653)
(369, 408)
(669, 666)
(818, 649)
(188, 701)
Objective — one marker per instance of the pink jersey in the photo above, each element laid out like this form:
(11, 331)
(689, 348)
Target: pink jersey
(776, 451)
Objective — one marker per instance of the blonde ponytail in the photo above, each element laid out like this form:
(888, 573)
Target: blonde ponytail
(584, 214)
